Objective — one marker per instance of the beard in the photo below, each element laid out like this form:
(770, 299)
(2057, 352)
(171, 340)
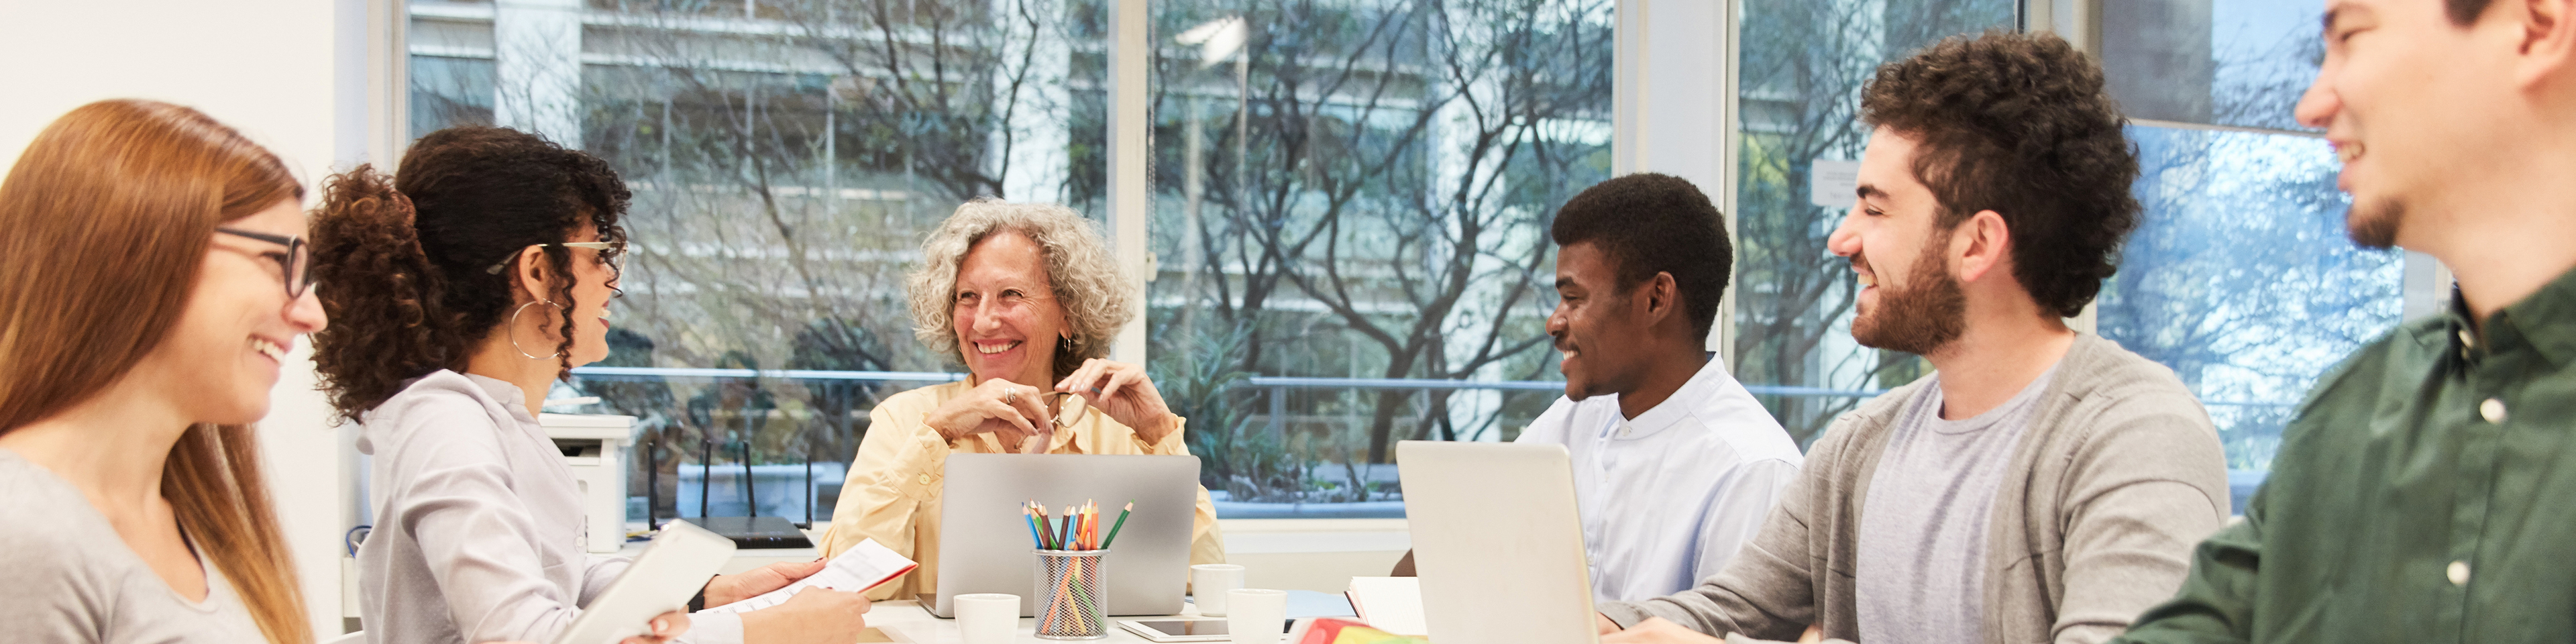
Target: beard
(1922, 317)
(2373, 224)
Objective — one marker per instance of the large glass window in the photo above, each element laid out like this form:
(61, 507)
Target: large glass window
(2240, 276)
(1349, 210)
(787, 158)
(1350, 223)
(1349, 219)
(1802, 66)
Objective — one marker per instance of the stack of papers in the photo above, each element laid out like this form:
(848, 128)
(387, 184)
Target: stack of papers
(858, 569)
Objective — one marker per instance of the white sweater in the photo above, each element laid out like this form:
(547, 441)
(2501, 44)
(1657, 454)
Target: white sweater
(478, 523)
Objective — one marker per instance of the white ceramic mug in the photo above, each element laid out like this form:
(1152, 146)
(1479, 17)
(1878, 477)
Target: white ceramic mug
(1255, 615)
(1209, 583)
(987, 618)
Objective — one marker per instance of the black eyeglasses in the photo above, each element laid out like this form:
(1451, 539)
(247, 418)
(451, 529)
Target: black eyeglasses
(294, 261)
(609, 253)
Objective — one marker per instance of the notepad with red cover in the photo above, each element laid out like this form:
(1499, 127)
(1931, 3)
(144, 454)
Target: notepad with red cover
(862, 567)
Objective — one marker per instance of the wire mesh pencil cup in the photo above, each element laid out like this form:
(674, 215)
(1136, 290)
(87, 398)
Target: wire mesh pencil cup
(1075, 593)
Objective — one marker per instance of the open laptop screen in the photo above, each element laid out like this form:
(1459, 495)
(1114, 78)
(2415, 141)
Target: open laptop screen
(984, 543)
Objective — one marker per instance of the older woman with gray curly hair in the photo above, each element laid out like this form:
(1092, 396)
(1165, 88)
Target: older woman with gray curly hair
(1027, 297)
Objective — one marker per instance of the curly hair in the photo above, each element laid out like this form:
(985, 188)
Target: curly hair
(407, 259)
(2019, 124)
(1655, 223)
(1095, 295)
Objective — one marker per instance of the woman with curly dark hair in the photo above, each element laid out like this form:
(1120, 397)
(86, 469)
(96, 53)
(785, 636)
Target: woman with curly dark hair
(470, 282)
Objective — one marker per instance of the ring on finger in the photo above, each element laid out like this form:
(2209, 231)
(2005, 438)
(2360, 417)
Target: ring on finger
(1011, 396)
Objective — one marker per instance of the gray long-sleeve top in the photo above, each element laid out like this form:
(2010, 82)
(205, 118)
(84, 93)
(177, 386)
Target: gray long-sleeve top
(478, 523)
(2118, 475)
(67, 577)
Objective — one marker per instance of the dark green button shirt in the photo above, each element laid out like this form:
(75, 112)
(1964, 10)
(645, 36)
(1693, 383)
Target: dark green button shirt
(2425, 493)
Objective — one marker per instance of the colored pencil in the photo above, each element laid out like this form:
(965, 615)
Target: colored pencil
(1046, 526)
(1068, 527)
(1122, 522)
(1032, 519)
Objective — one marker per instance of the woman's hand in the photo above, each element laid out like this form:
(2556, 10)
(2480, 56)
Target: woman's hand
(666, 627)
(1122, 391)
(813, 616)
(1015, 414)
(727, 589)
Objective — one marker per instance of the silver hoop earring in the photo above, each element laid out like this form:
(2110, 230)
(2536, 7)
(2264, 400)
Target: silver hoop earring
(514, 330)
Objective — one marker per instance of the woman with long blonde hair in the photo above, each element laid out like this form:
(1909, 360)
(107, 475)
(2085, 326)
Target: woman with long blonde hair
(151, 281)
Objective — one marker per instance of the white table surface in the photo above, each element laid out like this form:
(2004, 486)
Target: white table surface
(908, 621)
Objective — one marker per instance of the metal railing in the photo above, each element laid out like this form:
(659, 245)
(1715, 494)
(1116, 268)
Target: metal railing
(1276, 387)
(639, 373)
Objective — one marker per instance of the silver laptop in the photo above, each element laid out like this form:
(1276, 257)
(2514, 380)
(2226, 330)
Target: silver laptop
(984, 541)
(1493, 516)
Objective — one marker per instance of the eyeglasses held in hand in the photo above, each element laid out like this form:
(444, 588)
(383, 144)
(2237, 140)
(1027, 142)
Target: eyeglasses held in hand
(1058, 400)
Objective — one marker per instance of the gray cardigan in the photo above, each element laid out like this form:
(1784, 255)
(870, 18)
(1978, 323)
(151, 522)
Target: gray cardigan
(2119, 475)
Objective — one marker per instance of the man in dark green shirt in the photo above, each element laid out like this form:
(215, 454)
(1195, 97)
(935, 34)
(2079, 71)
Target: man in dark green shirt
(2426, 491)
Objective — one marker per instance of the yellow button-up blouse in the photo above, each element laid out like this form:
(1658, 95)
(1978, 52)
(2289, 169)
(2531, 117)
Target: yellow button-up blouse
(892, 494)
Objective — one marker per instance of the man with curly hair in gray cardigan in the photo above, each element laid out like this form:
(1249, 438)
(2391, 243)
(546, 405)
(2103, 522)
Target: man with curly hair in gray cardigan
(2043, 485)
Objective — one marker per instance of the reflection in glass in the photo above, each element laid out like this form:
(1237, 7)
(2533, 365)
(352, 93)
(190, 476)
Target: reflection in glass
(2241, 63)
(2241, 278)
(447, 92)
(1803, 64)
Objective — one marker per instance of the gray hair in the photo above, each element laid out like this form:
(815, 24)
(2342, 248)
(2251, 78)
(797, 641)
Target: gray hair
(1096, 297)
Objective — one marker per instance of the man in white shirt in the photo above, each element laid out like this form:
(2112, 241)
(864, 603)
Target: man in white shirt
(1675, 465)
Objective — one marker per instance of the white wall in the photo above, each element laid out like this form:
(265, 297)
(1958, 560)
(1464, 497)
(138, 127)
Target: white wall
(265, 67)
